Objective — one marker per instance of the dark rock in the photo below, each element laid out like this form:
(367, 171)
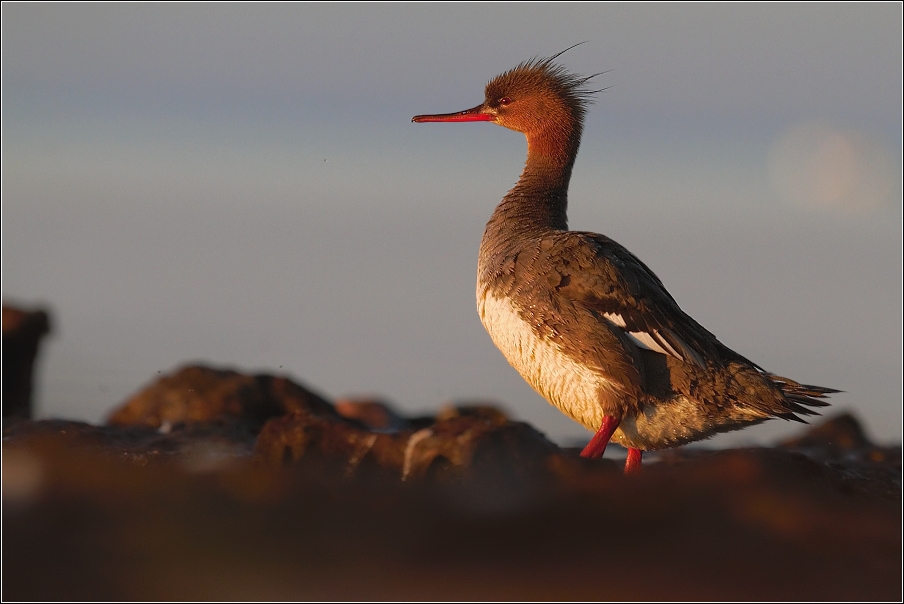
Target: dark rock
(841, 443)
(487, 411)
(197, 394)
(449, 448)
(335, 442)
(463, 444)
(838, 445)
(186, 496)
(754, 524)
(22, 332)
(196, 446)
(837, 434)
(375, 414)
(840, 433)
(379, 415)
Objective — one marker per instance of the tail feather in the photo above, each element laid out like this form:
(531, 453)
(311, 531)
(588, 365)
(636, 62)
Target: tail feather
(799, 397)
(794, 418)
(805, 400)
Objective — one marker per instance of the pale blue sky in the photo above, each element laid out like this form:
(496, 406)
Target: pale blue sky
(241, 185)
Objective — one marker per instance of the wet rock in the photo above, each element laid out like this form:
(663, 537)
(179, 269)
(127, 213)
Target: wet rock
(197, 394)
(22, 332)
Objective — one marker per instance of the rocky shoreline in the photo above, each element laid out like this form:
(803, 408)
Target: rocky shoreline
(212, 484)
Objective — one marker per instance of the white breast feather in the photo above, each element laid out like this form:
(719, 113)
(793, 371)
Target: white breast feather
(572, 387)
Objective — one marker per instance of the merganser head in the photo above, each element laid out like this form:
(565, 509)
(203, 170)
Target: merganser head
(534, 97)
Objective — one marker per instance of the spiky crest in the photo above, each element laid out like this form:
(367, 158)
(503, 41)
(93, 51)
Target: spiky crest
(545, 75)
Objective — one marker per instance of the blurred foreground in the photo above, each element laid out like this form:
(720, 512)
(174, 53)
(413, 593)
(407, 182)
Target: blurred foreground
(215, 485)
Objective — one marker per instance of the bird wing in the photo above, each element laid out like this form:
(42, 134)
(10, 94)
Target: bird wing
(598, 273)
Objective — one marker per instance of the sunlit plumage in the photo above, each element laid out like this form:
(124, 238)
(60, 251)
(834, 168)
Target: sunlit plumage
(585, 322)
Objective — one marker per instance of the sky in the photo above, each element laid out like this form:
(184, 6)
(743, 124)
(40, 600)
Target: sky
(241, 185)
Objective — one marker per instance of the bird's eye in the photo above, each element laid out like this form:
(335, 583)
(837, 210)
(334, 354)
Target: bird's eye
(505, 101)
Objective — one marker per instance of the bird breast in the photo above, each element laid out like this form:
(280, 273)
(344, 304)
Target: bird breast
(561, 379)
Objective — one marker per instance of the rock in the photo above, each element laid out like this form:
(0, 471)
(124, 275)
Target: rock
(194, 446)
(838, 434)
(84, 520)
(481, 410)
(377, 415)
(22, 332)
(197, 394)
(340, 444)
(841, 443)
(449, 448)
(186, 495)
(464, 445)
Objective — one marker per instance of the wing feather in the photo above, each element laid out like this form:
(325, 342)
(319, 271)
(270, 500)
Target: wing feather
(605, 277)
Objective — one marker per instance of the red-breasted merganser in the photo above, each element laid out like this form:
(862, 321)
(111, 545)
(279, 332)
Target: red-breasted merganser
(585, 322)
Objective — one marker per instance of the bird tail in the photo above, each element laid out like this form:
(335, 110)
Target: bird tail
(800, 397)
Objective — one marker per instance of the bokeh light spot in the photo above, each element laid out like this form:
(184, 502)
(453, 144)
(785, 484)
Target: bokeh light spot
(823, 166)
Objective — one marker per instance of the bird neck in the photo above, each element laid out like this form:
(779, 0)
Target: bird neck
(539, 200)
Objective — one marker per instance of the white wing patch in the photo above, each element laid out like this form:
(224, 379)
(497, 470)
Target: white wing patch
(654, 340)
(689, 354)
(615, 319)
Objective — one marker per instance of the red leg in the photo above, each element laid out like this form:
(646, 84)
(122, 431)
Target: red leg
(597, 445)
(632, 464)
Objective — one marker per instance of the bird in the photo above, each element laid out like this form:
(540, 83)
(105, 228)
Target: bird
(584, 321)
